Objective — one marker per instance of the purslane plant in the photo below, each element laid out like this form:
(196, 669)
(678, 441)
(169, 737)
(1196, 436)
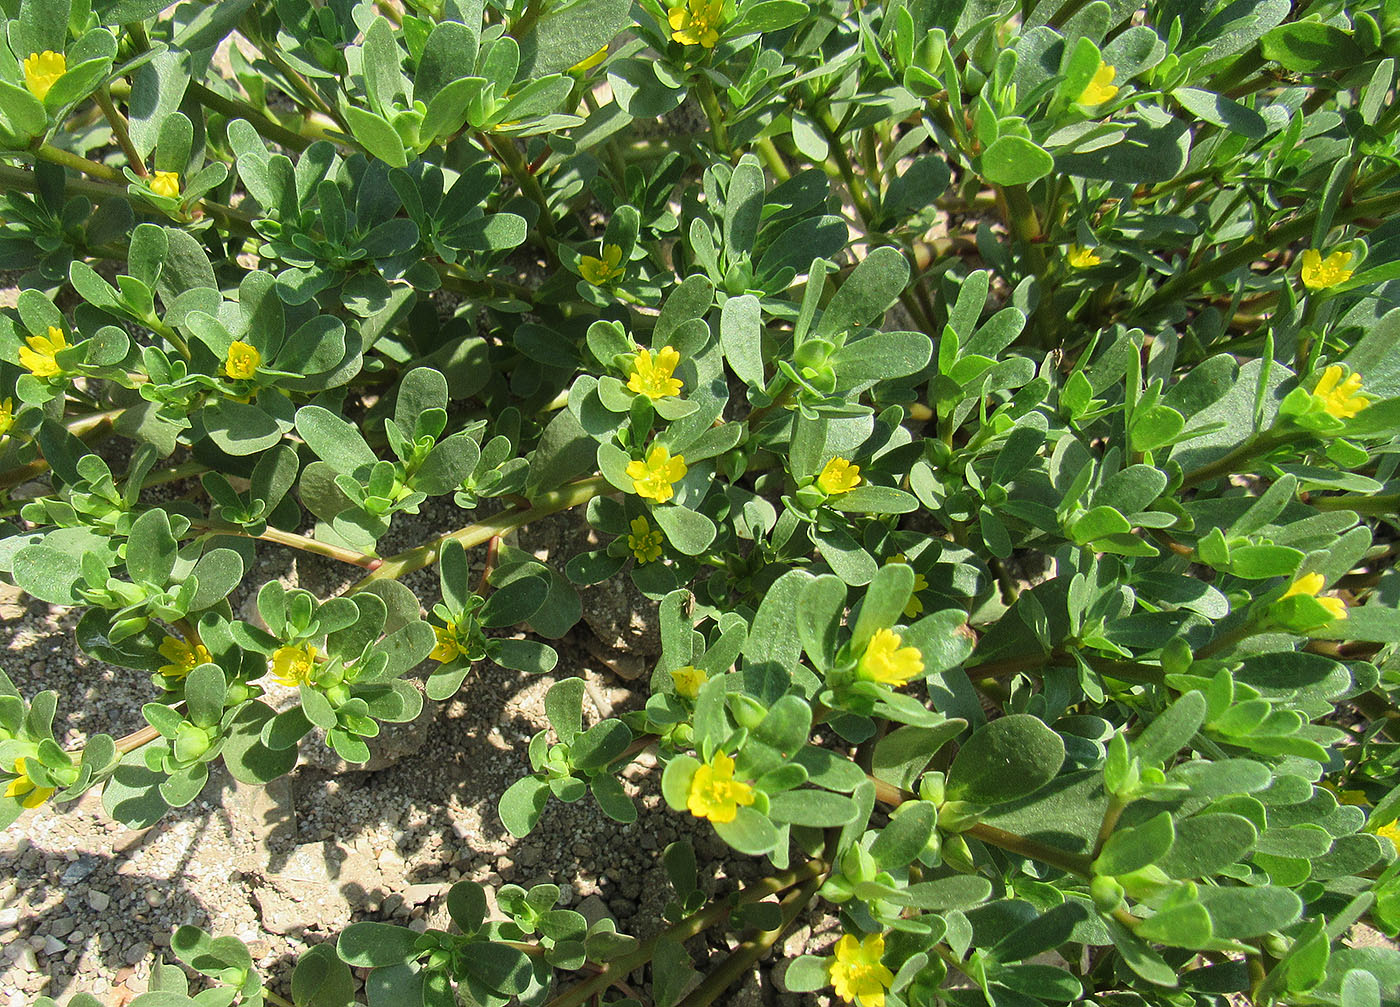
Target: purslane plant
(998, 401)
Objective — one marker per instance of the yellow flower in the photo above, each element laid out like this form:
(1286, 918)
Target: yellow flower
(600, 272)
(7, 416)
(715, 794)
(652, 378)
(915, 607)
(1356, 798)
(1311, 583)
(41, 70)
(39, 356)
(857, 974)
(1101, 88)
(1339, 397)
(30, 794)
(1320, 273)
(887, 661)
(293, 666)
(688, 681)
(1390, 830)
(448, 648)
(839, 476)
(183, 657)
(644, 541)
(654, 477)
(242, 361)
(1082, 258)
(695, 23)
(166, 183)
(589, 62)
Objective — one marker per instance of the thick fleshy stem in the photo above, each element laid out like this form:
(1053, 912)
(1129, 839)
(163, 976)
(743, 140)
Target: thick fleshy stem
(483, 531)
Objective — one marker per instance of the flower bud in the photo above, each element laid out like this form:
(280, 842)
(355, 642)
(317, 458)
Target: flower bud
(1176, 656)
(810, 497)
(748, 712)
(857, 864)
(836, 889)
(957, 854)
(1106, 892)
(931, 787)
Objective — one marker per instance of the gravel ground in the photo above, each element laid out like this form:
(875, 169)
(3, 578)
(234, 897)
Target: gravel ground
(86, 904)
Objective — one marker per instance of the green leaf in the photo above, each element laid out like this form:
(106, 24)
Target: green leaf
(1221, 111)
(376, 135)
(373, 945)
(909, 830)
(689, 531)
(1014, 160)
(1260, 562)
(565, 35)
(1207, 843)
(613, 799)
(819, 611)
(514, 601)
(49, 574)
(466, 904)
(807, 974)
(817, 808)
(1170, 730)
(1097, 523)
(563, 706)
(596, 747)
(132, 795)
(883, 604)
(952, 893)
(334, 440)
(249, 760)
(638, 92)
(902, 755)
(321, 979)
(749, 833)
(865, 295)
(882, 357)
(1184, 926)
(1242, 912)
(1004, 760)
(151, 548)
(740, 335)
(1129, 849)
(1311, 47)
(1140, 958)
(522, 805)
(766, 16)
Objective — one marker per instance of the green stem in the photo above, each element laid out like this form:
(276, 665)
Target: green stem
(1194, 280)
(514, 161)
(1254, 446)
(773, 157)
(235, 108)
(90, 429)
(860, 195)
(118, 123)
(1379, 503)
(68, 159)
(715, 912)
(1111, 815)
(507, 521)
(741, 959)
(705, 91)
(1022, 219)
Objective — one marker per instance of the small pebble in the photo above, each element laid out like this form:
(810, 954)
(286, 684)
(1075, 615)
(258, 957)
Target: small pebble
(98, 900)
